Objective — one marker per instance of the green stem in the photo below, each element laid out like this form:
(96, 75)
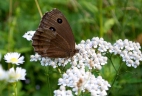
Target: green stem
(59, 70)
(48, 80)
(101, 19)
(15, 89)
(49, 87)
(79, 92)
(116, 76)
(38, 8)
(10, 12)
(112, 63)
(123, 18)
(11, 23)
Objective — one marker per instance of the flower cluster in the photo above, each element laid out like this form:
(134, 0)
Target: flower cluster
(35, 57)
(129, 51)
(91, 53)
(79, 80)
(86, 56)
(13, 74)
(62, 92)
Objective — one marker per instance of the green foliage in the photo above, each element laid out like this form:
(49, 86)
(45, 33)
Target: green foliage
(120, 19)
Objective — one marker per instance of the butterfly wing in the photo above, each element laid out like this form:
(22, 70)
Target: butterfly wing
(54, 37)
(59, 22)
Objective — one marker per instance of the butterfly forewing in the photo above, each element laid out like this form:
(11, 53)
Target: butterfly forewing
(54, 37)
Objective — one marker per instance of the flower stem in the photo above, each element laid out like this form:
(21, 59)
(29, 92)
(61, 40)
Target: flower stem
(38, 8)
(112, 63)
(49, 87)
(116, 76)
(15, 89)
(101, 18)
(48, 80)
(79, 92)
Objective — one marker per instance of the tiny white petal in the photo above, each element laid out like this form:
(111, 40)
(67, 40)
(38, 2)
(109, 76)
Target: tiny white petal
(3, 74)
(29, 35)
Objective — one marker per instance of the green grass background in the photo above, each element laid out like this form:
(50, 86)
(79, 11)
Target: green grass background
(110, 19)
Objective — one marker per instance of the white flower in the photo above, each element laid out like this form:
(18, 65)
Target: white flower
(63, 92)
(3, 74)
(35, 57)
(29, 35)
(14, 58)
(15, 75)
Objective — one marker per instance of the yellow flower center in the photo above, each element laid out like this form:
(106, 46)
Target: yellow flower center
(18, 76)
(14, 60)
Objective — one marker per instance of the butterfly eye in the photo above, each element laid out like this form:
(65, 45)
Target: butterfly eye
(52, 28)
(59, 20)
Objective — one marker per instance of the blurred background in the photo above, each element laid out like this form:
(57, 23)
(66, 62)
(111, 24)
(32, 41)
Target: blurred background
(109, 19)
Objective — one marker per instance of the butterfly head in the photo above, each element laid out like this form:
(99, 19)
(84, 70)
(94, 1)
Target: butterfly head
(73, 52)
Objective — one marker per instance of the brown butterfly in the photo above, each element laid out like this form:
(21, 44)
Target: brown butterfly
(54, 37)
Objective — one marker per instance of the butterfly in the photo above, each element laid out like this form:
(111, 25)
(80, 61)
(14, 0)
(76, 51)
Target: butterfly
(54, 38)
